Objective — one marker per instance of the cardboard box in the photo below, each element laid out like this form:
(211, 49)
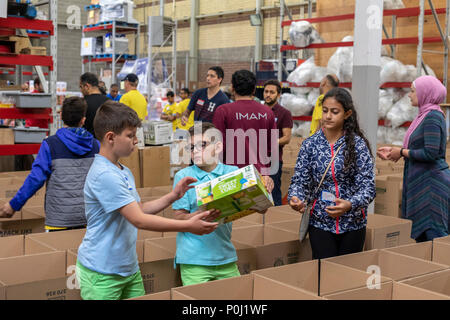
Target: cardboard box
(15, 246)
(164, 295)
(438, 282)
(273, 247)
(388, 291)
(37, 210)
(132, 162)
(319, 279)
(421, 250)
(279, 214)
(442, 239)
(93, 16)
(247, 287)
(6, 136)
(158, 132)
(37, 277)
(286, 175)
(388, 200)
(157, 270)
(386, 232)
(21, 224)
(241, 223)
(236, 194)
(393, 265)
(10, 186)
(155, 166)
(246, 256)
(441, 253)
(38, 51)
(21, 43)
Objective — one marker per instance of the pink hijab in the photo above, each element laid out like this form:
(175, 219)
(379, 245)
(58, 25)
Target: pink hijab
(430, 93)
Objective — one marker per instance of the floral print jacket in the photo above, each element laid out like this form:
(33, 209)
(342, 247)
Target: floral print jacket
(357, 186)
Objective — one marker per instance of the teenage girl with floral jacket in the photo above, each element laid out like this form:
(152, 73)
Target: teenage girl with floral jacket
(338, 218)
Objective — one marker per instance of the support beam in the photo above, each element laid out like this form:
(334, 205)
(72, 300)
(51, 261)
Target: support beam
(259, 32)
(193, 41)
(161, 8)
(367, 66)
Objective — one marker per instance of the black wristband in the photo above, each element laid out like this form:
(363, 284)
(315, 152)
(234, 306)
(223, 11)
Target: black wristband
(401, 153)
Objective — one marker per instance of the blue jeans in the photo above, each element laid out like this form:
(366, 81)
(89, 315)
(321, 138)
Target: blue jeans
(276, 192)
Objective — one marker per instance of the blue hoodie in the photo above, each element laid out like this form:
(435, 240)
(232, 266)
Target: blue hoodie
(77, 140)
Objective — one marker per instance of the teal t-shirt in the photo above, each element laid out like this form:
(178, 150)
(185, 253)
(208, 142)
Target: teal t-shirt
(212, 249)
(109, 245)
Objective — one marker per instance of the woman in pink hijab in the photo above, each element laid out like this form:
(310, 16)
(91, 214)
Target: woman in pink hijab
(426, 177)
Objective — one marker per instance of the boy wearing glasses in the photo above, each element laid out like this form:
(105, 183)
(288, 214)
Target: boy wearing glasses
(213, 256)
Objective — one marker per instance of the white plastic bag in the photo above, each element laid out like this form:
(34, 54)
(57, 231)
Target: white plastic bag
(393, 4)
(302, 34)
(301, 91)
(313, 96)
(303, 73)
(392, 70)
(386, 103)
(341, 62)
(302, 129)
(298, 105)
(401, 112)
(381, 134)
(395, 135)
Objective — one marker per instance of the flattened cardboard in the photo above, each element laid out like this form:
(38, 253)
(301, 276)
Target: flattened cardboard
(37, 277)
(157, 270)
(438, 282)
(441, 253)
(386, 232)
(246, 287)
(442, 239)
(164, 295)
(11, 246)
(421, 250)
(388, 291)
(273, 247)
(305, 275)
(155, 166)
(132, 162)
(392, 265)
(61, 240)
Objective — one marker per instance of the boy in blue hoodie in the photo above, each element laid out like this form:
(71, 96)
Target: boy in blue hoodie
(62, 163)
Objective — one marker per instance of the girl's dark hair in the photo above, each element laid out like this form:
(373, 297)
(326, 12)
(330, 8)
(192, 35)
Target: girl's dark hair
(351, 125)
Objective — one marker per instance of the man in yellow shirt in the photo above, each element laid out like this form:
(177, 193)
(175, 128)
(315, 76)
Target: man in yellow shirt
(329, 82)
(181, 108)
(169, 112)
(133, 98)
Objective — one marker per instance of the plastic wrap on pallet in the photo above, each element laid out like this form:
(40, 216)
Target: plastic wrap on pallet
(395, 135)
(313, 96)
(392, 70)
(386, 102)
(304, 73)
(298, 105)
(381, 134)
(341, 62)
(401, 112)
(301, 91)
(302, 34)
(301, 129)
(393, 4)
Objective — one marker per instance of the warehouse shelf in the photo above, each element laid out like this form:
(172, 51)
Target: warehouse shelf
(27, 60)
(410, 40)
(114, 27)
(24, 23)
(399, 13)
(9, 63)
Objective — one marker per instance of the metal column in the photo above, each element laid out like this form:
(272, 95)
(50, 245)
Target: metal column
(259, 33)
(174, 56)
(113, 62)
(367, 66)
(193, 41)
(54, 73)
(280, 54)
(420, 34)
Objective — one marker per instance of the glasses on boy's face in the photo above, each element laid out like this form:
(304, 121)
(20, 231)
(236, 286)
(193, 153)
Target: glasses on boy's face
(200, 146)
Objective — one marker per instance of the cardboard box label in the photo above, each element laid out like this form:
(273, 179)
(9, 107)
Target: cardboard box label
(236, 194)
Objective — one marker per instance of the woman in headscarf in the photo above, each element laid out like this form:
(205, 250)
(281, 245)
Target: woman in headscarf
(426, 178)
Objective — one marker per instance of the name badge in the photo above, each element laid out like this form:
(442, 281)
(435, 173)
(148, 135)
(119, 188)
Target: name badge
(200, 102)
(327, 196)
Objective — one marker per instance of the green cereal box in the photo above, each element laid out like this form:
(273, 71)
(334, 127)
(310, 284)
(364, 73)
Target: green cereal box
(236, 194)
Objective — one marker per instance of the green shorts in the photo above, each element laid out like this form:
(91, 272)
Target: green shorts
(193, 274)
(98, 286)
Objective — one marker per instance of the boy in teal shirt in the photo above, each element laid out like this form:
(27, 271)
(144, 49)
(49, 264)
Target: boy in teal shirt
(107, 266)
(213, 256)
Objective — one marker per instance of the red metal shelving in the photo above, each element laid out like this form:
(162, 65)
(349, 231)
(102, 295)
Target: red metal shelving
(24, 23)
(26, 113)
(27, 60)
(19, 149)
